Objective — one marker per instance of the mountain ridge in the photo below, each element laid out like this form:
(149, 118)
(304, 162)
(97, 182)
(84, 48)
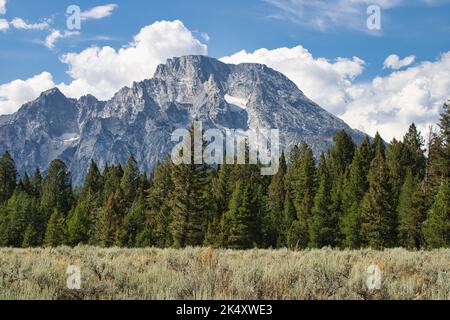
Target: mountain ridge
(139, 119)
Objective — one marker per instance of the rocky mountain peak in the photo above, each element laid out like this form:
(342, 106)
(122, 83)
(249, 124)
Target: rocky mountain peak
(139, 119)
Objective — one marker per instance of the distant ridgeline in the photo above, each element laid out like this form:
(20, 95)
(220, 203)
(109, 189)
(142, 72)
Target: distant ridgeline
(367, 196)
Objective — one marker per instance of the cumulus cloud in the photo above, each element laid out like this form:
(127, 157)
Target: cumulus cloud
(325, 81)
(55, 35)
(99, 12)
(18, 92)
(4, 25)
(394, 62)
(2, 6)
(19, 23)
(387, 104)
(104, 70)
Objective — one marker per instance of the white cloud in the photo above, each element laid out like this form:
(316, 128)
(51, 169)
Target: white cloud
(325, 81)
(103, 71)
(55, 35)
(17, 92)
(389, 104)
(19, 23)
(386, 104)
(325, 15)
(99, 12)
(394, 62)
(2, 6)
(205, 36)
(4, 25)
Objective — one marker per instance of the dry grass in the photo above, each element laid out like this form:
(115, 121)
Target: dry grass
(204, 273)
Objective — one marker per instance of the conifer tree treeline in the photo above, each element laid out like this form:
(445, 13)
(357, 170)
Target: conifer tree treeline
(371, 195)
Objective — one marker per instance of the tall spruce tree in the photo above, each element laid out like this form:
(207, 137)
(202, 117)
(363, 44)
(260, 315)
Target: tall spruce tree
(355, 187)
(134, 220)
(436, 228)
(155, 231)
(241, 217)
(25, 184)
(289, 216)
(111, 220)
(93, 182)
(8, 177)
(301, 184)
(415, 157)
(130, 181)
(411, 212)
(275, 206)
(343, 151)
(19, 212)
(57, 189)
(112, 176)
(189, 200)
(378, 216)
(30, 238)
(54, 234)
(36, 183)
(323, 223)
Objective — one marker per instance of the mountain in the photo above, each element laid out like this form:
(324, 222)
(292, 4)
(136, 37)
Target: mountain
(139, 120)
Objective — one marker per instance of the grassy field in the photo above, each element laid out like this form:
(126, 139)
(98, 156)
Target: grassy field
(203, 273)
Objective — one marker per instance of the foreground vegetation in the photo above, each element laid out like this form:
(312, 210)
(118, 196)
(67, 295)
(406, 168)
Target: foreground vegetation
(205, 273)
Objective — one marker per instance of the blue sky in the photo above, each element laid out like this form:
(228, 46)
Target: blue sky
(326, 30)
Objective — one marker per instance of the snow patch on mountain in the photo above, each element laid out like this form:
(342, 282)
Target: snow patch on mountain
(236, 101)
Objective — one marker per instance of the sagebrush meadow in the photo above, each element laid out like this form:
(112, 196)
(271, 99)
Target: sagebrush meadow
(196, 273)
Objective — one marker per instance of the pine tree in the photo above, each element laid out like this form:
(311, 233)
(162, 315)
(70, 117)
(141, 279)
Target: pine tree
(378, 145)
(436, 228)
(82, 220)
(111, 220)
(130, 181)
(241, 218)
(410, 213)
(444, 126)
(93, 182)
(301, 185)
(324, 221)
(275, 205)
(378, 218)
(222, 187)
(343, 151)
(8, 177)
(155, 231)
(19, 212)
(189, 203)
(36, 183)
(54, 235)
(395, 160)
(24, 184)
(30, 238)
(355, 187)
(415, 158)
(57, 189)
(134, 220)
(289, 216)
(112, 179)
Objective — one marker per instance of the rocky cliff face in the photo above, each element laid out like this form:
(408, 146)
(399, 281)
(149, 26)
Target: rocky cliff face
(139, 120)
